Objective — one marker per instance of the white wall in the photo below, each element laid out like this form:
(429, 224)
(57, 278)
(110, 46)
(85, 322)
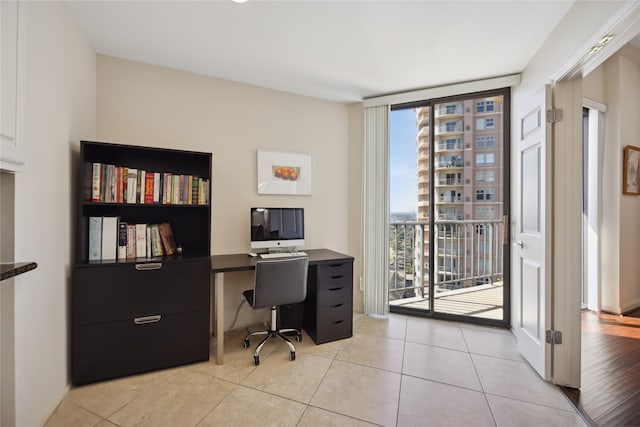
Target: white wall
(60, 110)
(616, 83)
(153, 106)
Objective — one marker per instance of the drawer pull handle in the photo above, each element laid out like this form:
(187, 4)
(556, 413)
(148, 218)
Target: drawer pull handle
(338, 322)
(147, 319)
(336, 289)
(335, 265)
(149, 266)
(337, 305)
(337, 277)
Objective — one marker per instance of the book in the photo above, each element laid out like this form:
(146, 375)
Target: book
(156, 187)
(125, 184)
(168, 188)
(175, 189)
(96, 171)
(109, 237)
(131, 241)
(194, 191)
(95, 238)
(149, 252)
(141, 240)
(142, 182)
(156, 241)
(119, 184)
(166, 235)
(138, 185)
(132, 185)
(148, 188)
(112, 184)
(122, 240)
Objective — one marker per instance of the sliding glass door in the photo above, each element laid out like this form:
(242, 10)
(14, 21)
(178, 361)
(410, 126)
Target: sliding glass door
(449, 190)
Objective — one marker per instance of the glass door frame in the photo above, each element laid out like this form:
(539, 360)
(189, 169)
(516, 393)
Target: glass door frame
(505, 322)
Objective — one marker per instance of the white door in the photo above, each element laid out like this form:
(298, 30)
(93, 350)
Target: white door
(531, 257)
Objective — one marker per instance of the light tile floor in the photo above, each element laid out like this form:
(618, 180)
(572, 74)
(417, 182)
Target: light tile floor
(399, 371)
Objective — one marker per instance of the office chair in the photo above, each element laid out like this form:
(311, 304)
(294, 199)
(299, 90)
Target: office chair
(277, 282)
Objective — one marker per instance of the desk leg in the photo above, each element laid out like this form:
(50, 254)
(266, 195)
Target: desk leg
(219, 316)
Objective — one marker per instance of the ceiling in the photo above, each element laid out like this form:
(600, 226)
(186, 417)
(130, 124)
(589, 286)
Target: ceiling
(340, 51)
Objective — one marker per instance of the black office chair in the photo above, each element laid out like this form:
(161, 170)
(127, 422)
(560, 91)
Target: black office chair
(277, 282)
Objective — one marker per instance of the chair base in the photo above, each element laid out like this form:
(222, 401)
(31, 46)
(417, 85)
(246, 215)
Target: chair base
(272, 333)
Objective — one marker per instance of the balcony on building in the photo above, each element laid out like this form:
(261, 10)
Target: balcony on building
(449, 144)
(422, 119)
(449, 127)
(449, 110)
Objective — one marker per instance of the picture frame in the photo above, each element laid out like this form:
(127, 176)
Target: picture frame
(631, 171)
(284, 173)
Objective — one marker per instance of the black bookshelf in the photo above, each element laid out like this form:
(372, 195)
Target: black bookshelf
(139, 314)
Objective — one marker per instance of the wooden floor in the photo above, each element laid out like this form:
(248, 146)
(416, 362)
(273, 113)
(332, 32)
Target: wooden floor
(610, 391)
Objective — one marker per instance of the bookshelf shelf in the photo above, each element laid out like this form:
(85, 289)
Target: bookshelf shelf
(113, 297)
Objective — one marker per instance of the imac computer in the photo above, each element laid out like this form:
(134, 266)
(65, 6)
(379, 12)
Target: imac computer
(277, 229)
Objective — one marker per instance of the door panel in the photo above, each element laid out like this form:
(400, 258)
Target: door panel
(531, 290)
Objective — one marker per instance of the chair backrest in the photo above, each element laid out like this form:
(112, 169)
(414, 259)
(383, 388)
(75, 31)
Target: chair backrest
(280, 281)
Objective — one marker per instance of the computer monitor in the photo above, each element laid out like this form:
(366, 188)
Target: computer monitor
(273, 228)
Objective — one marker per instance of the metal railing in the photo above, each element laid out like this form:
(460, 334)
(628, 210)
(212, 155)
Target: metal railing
(467, 253)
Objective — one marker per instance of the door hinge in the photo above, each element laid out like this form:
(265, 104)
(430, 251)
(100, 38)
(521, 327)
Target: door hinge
(553, 337)
(554, 115)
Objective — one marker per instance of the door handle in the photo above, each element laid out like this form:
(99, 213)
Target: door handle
(147, 319)
(149, 266)
(519, 243)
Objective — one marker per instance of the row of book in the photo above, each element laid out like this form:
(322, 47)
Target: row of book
(121, 184)
(110, 239)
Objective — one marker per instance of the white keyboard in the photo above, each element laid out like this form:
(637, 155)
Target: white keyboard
(282, 255)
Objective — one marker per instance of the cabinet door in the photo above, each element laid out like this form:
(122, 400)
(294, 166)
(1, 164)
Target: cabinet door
(115, 349)
(12, 87)
(111, 292)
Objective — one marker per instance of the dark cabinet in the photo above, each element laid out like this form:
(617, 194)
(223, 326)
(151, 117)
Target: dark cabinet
(328, 310)
(135, 315)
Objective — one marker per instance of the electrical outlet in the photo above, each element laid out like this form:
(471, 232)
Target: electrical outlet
(361, 284)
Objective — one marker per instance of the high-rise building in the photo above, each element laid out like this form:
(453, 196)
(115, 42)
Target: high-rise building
(468, 187)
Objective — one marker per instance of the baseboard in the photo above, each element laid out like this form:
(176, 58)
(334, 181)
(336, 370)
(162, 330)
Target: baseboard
(630, 306)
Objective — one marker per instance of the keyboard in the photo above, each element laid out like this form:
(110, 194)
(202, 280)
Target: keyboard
(282, 255)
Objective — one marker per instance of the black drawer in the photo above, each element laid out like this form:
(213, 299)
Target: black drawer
(335, 281)
(114, 349)
(332, 313)
(333, 296)
(335, 329)
(124, 291)
(335, 269)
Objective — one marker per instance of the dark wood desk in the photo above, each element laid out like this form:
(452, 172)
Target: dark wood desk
(221, 264)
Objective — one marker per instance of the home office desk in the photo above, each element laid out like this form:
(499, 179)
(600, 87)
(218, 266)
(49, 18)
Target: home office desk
(330, 280)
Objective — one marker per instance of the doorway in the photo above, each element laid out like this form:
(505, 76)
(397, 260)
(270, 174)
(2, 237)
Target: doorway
(448, 249)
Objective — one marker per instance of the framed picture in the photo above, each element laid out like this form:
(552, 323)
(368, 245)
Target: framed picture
(284, 173)
(631, 173)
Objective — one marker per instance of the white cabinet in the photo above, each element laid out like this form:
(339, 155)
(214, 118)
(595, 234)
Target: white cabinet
(13, 16)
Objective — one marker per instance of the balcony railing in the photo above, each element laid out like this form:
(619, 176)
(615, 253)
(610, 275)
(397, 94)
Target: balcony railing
(450, 199)
(449, 127)
(450, 164)
(449, 181)
(448, 145)
(449, 110)
(468, 254)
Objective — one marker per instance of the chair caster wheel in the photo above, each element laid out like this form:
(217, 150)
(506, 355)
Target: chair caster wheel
(292, 355)
(299, 337)
(256, 360)
(246, 343)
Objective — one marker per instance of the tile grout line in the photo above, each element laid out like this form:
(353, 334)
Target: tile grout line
(475, 369)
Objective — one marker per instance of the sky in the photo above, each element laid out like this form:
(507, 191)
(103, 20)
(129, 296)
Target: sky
(402, 160)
